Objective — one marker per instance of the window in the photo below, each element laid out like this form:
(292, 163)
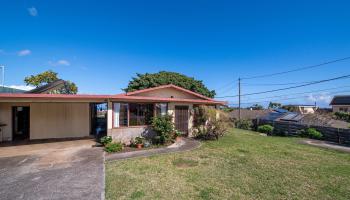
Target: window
(120, 114)
(133, 114)
(123, 114)
(161, 109)
(343, 109)
(140, 114)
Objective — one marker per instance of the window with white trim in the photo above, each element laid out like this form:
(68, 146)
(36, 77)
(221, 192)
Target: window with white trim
(161, 109)
(120, 113)
(133, 114)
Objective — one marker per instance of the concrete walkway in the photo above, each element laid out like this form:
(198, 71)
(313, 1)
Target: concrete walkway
(185, 144)
(57, 170)
(325, 144)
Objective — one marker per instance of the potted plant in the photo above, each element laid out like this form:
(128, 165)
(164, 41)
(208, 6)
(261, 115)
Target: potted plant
(178, 136)
(139, 142)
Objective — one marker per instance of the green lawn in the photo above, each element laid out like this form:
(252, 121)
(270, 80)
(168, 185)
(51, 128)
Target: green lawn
(241, 165)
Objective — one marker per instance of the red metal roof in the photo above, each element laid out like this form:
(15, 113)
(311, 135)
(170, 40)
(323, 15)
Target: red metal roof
(168, 86)
(53, 96)
(121, 97)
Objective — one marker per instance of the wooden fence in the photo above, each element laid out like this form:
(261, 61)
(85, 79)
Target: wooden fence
(337, 135)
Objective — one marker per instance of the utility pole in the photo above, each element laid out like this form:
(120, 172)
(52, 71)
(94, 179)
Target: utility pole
(239, 98)
(3, 75)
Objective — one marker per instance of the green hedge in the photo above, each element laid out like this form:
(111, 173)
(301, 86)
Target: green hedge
(268, 129)
(244, 124)
(343, 116)
(113, 147)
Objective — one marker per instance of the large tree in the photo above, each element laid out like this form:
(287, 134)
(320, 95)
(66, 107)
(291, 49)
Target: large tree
(49, 77)
(256, 107)
(275, 105)
(144, 81)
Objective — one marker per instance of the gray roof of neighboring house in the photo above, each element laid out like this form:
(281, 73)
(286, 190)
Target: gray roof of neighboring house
(249, 114)
(341, 100)
(4, 89)
(46, 87)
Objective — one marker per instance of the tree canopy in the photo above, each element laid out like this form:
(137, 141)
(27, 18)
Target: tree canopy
(275, 105)
(49, 77)
(144, 81)
(256, 107)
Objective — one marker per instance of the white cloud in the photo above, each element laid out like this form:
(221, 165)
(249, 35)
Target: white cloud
(24, 52)
(59, 63)
(320, 98)
(21, 87)
(33, 11)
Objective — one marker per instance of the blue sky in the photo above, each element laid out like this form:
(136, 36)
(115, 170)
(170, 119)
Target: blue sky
(100, 45)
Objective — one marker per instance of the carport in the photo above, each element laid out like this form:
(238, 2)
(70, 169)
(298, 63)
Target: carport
(41, 116)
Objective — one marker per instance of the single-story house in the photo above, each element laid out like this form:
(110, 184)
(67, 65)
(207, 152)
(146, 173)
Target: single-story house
(341, 103)
(122, 116)
(4, 89)
(50, 88)
(302, 109)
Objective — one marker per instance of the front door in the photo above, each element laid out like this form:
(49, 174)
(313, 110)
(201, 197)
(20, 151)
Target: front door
(98, 118)
(181, 119)
(21, 122)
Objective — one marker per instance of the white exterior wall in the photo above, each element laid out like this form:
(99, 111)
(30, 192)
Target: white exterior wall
(49, 120)
(125, 134)
(171, 111)
(336, 108)
(59, 120)
(168, 93)
(6, 118)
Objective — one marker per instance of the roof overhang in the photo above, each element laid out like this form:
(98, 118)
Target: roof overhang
(23, 97)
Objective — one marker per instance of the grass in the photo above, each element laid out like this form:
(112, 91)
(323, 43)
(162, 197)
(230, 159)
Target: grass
(241, 165)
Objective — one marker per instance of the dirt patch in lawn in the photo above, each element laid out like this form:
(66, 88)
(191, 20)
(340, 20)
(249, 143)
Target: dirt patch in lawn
(185, 163)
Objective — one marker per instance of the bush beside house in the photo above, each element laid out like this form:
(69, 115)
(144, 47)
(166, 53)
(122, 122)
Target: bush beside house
(342, 116)
(268, 129)
(210, 123)
(311, 133)
(109, 145)
(164, 128)
(244, 124)
(113, 147)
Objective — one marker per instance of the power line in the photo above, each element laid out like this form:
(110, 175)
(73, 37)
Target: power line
(230, 89)
(269, 84)
(256, 102)
(230, 84)
(292, 87)
(303, 92)
(297, 69)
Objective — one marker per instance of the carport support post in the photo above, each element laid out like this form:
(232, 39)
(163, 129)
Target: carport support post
(109, 117)
(239, 98)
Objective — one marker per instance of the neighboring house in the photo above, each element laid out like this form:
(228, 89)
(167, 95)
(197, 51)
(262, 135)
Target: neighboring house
(303, 109)
(50, 88)
(4, 89)
(316, 119)
(341, 103)
(44, 116)
(248, 114)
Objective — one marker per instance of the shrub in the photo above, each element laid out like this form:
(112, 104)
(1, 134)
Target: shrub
(244, 124)
(302, 133)
(177, 133)
(342, 116)
(106, 140)
(139, 140)
(314, 134)
(209, 125)
(164, 128)
(268, 129)
(113, 147)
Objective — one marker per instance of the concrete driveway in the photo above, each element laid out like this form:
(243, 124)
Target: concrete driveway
(57, 170)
